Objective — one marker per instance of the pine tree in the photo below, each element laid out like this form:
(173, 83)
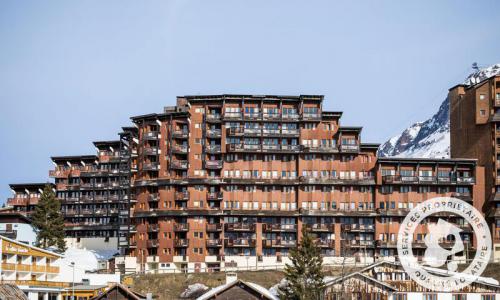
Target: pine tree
(49, 221)
(304, 275)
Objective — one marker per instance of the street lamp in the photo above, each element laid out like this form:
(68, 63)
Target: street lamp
(73, 281)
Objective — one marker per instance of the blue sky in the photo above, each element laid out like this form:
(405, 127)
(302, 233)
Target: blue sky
(74, 71)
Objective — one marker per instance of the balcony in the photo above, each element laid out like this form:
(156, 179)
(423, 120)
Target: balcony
(271, 147)
(180, 134)
(38, 269)
(235, 131)
(179, 164)
(152, 135)
(278, 243)
(320, 227)
(151, 151)
(214, 243)
(214, 133)
(254, 115)
(324, 243)
(181, 243)
(311, 116)
(87, 212)
(349, 148)
(240, 242)
(294, 117)
(322, 148)
(23, 268)
(232, 115)
(359, 243)
(213, 148)
(470, 180)
(17, 201)
(386, 244)
(276, 227)
(214, 196)
(153, 197)
(152, 166)
(272, 132)
(390, 179)
(153, 227)
(290, 132)
(427, 179)
(213, 164)
(58, 173)
(271, 116)
(252, 147)
(11, 234)
(358, 227)
(239, 227)
(215, 227)
(213, 117)
(181, 196)
(181, 227)
(252, 132)
(180, 149)
(293, 148)
(152, 243)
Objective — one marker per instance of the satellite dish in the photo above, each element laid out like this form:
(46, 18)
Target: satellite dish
(475, 66)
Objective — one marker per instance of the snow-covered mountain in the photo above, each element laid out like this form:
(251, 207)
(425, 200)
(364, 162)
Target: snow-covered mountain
(482, 74)
(431, 138)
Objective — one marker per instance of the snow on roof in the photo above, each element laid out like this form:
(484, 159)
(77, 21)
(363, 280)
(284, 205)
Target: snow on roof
(217, 290)
(88, 260)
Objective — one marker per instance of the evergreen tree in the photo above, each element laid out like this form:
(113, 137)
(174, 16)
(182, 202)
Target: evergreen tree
(49, 221)
(304, 275)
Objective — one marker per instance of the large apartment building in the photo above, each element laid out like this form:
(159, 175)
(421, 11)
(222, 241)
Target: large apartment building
(229, 181)
(226, 181)
(94, 194)
(475, 133)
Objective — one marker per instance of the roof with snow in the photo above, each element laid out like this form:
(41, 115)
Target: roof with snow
(215, 292)
(111, 293)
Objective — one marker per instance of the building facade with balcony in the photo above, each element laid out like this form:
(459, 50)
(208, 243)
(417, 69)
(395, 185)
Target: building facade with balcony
(35, 271)
(94, 195)
(475, 133)
(229, 181)
(25, 196)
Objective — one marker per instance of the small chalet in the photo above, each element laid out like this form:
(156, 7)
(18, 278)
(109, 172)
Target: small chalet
(389, 281)
(119, 292)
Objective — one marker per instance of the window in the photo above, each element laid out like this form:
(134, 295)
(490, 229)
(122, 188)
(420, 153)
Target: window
(430, 297)
(400, 297)
(386, 189)
(482, 96)
(488, 297)
(459, 297)
(482, 112)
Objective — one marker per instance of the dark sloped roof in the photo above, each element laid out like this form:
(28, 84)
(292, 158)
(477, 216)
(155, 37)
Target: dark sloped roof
(129, 292)
(11, 292)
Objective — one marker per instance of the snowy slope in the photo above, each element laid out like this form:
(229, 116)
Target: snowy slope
(431, 139)
(482, 74)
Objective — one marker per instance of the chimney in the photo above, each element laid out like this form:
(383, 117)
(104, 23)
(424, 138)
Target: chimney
(231, 277)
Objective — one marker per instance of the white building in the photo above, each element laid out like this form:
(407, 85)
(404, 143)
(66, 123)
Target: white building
(16, 226)
(43, 274)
